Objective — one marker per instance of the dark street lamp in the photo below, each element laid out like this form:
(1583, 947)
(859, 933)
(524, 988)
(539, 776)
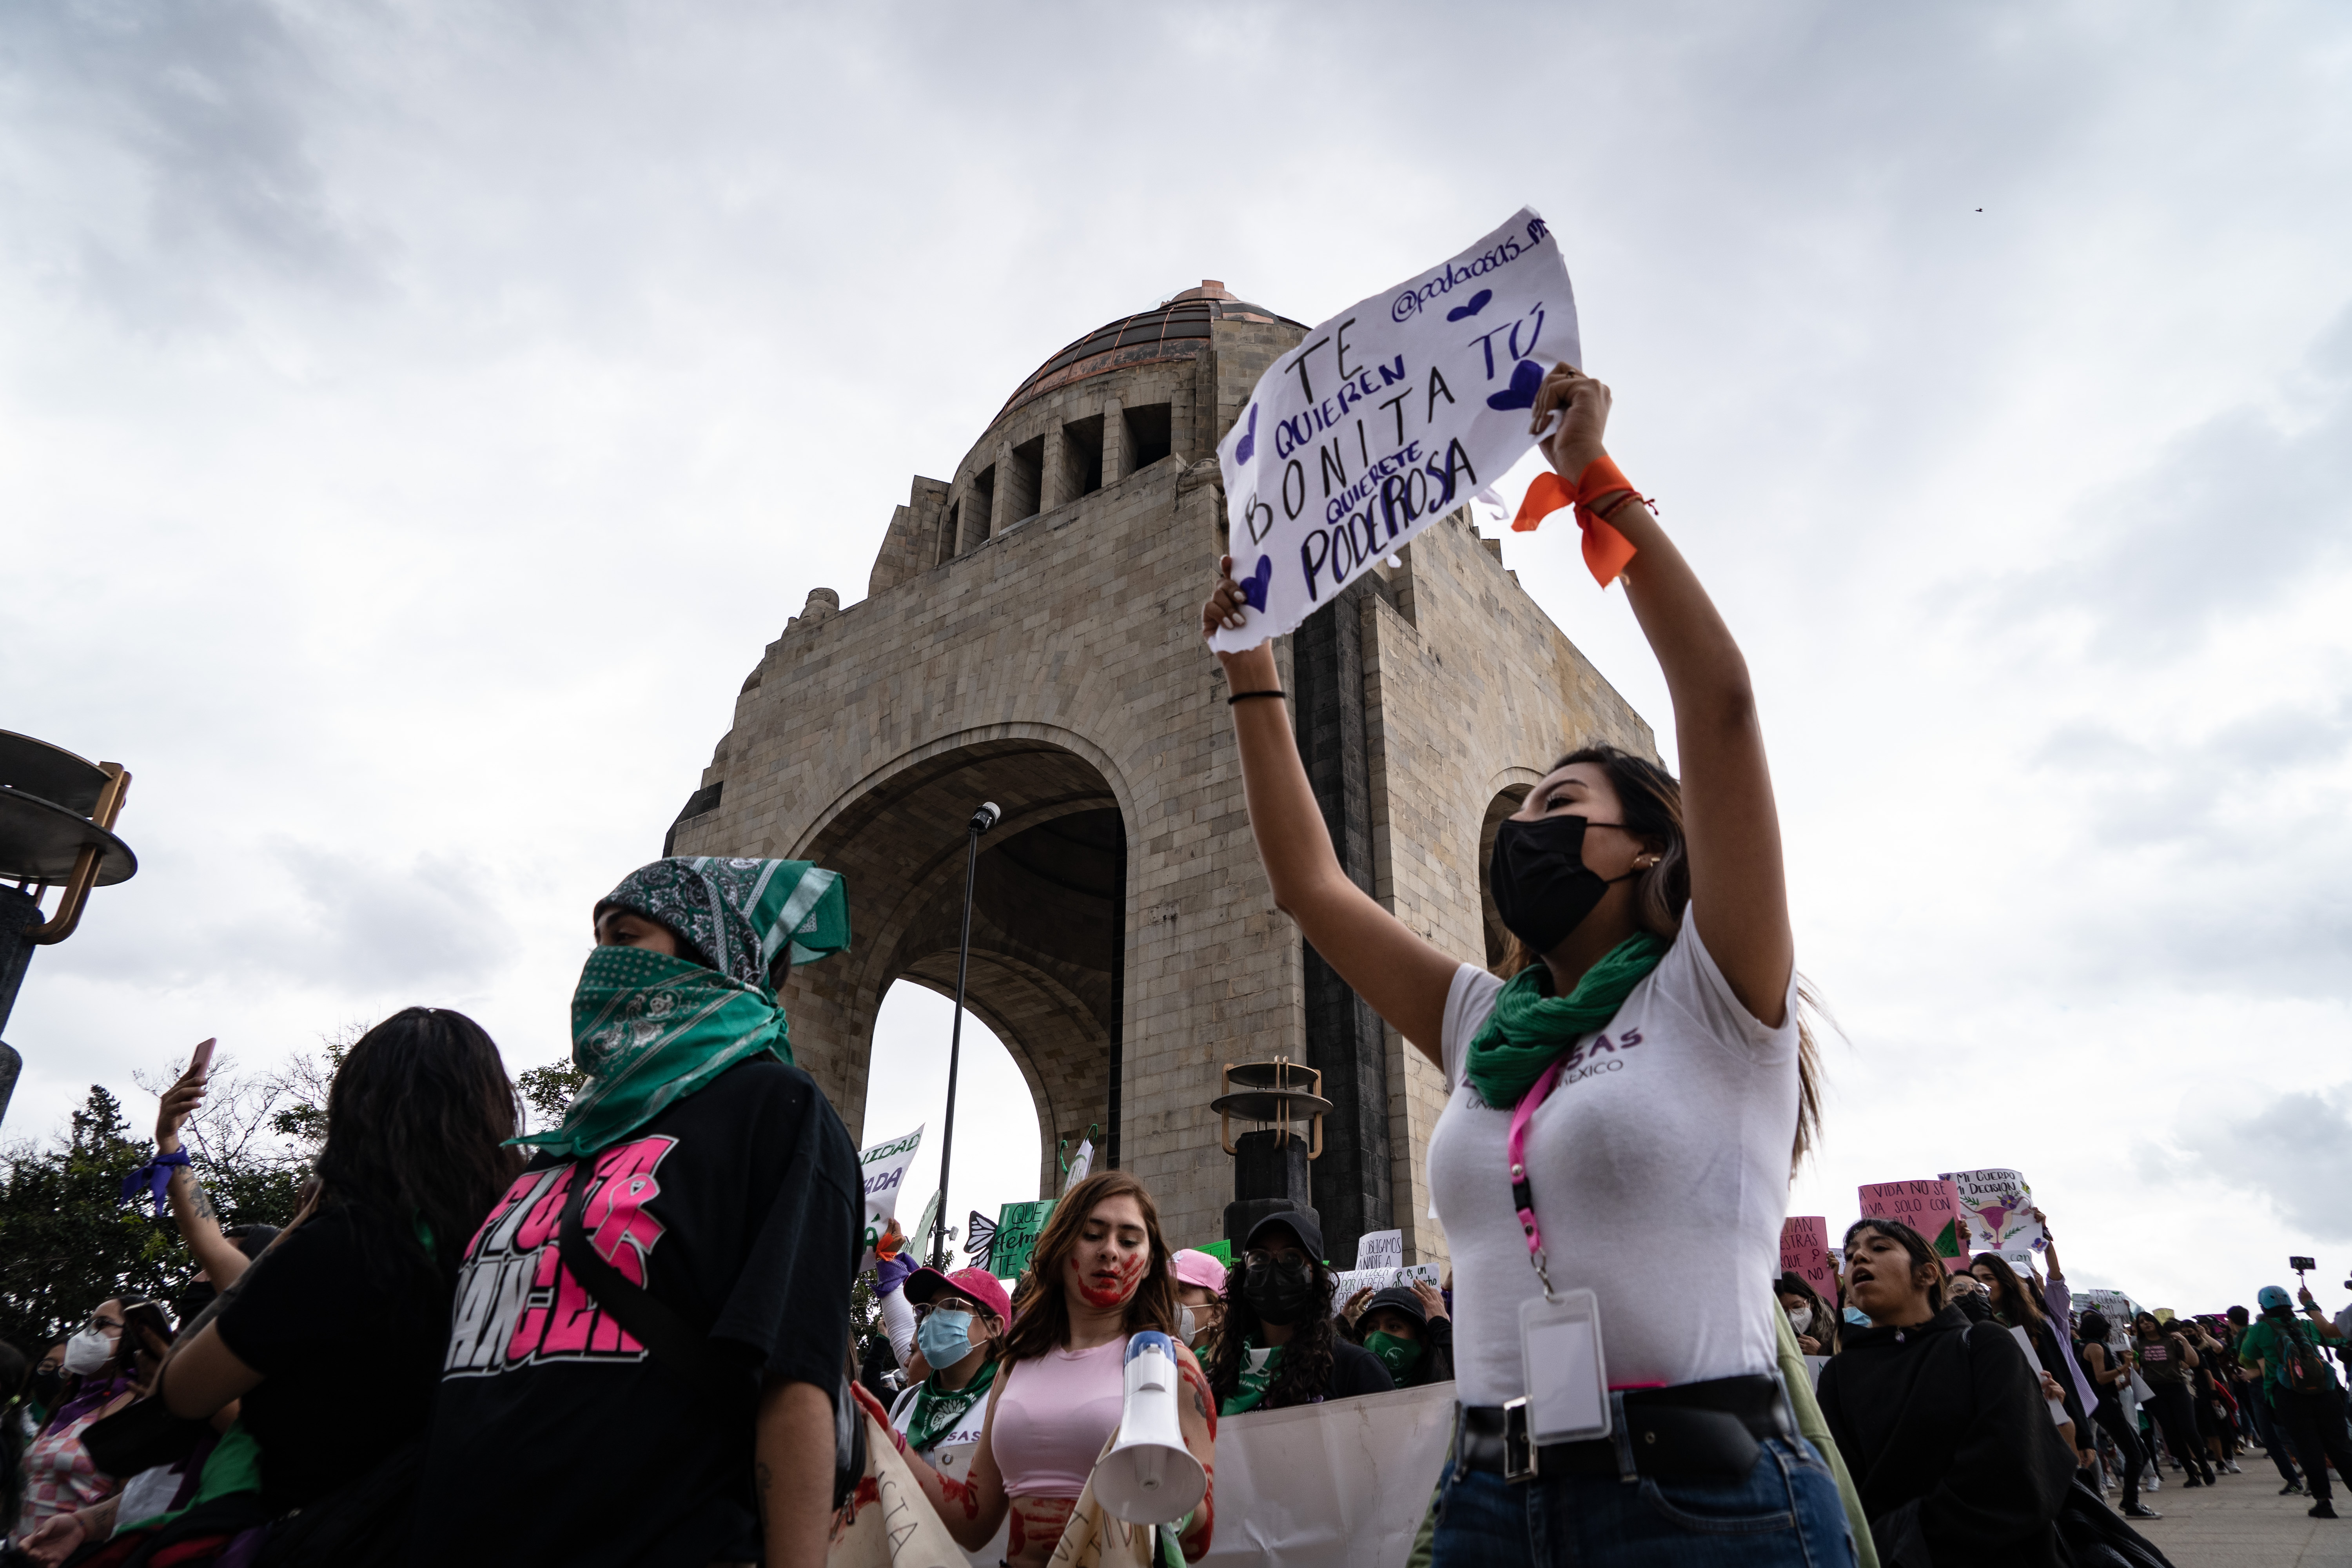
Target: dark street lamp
(981, 821)
(56, 829)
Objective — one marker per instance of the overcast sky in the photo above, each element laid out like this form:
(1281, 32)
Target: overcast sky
(415, 419)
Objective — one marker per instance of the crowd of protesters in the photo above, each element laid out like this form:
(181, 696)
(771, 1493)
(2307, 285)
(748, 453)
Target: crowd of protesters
(627, 1339)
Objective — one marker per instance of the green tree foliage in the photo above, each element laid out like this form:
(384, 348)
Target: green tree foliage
(67, 1240)
(548, 1091)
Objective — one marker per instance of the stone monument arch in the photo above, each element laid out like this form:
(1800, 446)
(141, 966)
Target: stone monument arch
(1030, 636)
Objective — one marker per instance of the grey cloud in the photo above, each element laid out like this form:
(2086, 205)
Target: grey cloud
(201, 110)
(327, 919)
(2240, 514)
(2296, 1152)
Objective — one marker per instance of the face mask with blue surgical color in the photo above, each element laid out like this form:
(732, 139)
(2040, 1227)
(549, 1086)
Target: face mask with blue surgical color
(1856, 1316)
(945, 1337)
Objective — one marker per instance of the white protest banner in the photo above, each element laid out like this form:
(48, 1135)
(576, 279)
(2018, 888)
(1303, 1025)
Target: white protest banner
(1380, 1249)
(1339, 1485)
(1386, 417)
(1080, 1166)
(888, 1522)
(1997, 1206)
(1347, 1282)
(885, 1167)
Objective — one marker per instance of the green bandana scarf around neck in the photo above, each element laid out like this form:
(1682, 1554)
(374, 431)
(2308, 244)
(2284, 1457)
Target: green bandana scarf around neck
(1529, 1028)
(1258, 1369)
(1400, 1356)
(938, 1409)
(649, 1030)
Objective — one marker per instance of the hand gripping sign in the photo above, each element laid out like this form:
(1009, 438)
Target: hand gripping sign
(1386, 417)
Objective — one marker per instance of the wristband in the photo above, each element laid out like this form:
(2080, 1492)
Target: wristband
(1606, 550)
(1245, 696)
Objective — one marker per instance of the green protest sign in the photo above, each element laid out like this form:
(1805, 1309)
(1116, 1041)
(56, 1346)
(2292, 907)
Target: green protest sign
(1017, 1226)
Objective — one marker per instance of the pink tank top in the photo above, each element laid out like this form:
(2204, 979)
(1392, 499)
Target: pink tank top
(1054, 1416)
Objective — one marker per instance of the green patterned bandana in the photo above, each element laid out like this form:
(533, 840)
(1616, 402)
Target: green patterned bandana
(741, 915)
(1259, 1368)
(649, 1030)
(936, 1409)
(1530, 1028)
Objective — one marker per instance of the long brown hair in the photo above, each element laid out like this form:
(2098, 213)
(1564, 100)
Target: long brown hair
(1041, 1312)
(1651, 800)
(2017, 1304)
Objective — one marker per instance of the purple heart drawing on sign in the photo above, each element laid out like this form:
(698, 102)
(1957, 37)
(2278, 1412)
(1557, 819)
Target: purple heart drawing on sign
(1246, 447)
(1254, 586)
(1526, 376)
(1477, 303)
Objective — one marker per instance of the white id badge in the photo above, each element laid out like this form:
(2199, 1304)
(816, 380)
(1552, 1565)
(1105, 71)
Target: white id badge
(1567, 1379)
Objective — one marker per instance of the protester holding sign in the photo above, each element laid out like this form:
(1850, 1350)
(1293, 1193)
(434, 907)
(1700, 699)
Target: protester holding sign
(660, 1302)
(1280, 1345)
(2110, 1377)
(1640, 1058)
(1408, 1329)
(1941, 1420)
(960, 1319)
(1099, 1273)
(2014, 1306)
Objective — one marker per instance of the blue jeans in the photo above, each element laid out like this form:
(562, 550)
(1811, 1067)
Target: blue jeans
(1785, 1513)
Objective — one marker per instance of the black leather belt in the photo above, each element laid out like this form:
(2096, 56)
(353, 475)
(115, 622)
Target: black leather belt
(1688, 1431)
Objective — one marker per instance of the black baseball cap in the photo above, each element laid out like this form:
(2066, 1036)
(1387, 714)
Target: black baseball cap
(1398, 1298)
(1298, 1222)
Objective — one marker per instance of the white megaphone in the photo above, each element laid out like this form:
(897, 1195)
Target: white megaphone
(1149, 1476)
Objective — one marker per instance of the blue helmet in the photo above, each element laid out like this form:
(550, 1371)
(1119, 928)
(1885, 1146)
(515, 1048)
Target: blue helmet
(2274, 1298)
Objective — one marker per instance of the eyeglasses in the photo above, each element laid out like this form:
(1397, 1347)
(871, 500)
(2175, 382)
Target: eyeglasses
(947, 1303)
(1287, 1262)
(102, 1324)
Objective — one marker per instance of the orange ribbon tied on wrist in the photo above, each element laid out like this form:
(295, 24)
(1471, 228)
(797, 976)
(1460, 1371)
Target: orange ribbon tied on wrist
(1606, 550)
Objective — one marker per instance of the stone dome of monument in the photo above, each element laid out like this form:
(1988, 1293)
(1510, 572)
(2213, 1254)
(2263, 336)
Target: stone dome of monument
(1142, 336)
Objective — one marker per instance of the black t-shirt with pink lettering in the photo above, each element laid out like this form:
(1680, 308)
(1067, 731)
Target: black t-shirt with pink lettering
(557, 1438)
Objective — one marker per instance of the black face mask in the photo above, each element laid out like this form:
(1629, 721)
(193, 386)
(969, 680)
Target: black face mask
(1542, 888)
(1280, 1293)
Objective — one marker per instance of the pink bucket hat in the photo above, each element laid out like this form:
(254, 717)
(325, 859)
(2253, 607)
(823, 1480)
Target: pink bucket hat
(1195, 1267)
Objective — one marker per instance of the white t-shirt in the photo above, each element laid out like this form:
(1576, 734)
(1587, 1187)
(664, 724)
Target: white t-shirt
(1660, 1166)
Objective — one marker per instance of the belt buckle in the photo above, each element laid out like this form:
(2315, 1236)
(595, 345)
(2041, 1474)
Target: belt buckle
(1518, 1448)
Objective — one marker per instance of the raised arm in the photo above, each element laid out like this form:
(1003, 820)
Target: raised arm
(191, 1210)
(1404, 978)
(1731, 828)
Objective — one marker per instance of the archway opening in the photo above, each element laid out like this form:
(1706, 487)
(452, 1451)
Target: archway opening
(996, 1156)
(1048, 937)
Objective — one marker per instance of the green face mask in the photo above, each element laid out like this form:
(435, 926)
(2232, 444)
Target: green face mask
(1400, 1356)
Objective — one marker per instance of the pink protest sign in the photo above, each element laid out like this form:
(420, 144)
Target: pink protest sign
(1929, 1206)
(1805, 1253)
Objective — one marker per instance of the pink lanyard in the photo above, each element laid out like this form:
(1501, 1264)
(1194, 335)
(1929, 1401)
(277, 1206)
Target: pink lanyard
(1523, 1193)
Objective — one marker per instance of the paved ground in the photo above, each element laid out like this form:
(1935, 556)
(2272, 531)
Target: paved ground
(2242, 1523)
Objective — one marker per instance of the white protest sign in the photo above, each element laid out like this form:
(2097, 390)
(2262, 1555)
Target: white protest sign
(1337, 1485)
(1347, 1282)
(1386, 417)
(1997, 1208)
(1380, 1249)
(884, 1168)
(1080, 1166)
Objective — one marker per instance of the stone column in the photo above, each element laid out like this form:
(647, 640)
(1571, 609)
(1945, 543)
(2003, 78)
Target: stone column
(1000, 509)
(1054, 485)
(1116, 463)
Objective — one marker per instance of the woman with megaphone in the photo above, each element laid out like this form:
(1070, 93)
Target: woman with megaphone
(1099, 1273)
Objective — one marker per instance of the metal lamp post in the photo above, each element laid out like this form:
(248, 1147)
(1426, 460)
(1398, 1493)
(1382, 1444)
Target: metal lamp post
(56, 829)
(981, 821)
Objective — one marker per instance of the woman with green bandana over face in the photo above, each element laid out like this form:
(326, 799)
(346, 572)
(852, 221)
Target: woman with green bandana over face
(739, 1211)
(1407, 1327)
